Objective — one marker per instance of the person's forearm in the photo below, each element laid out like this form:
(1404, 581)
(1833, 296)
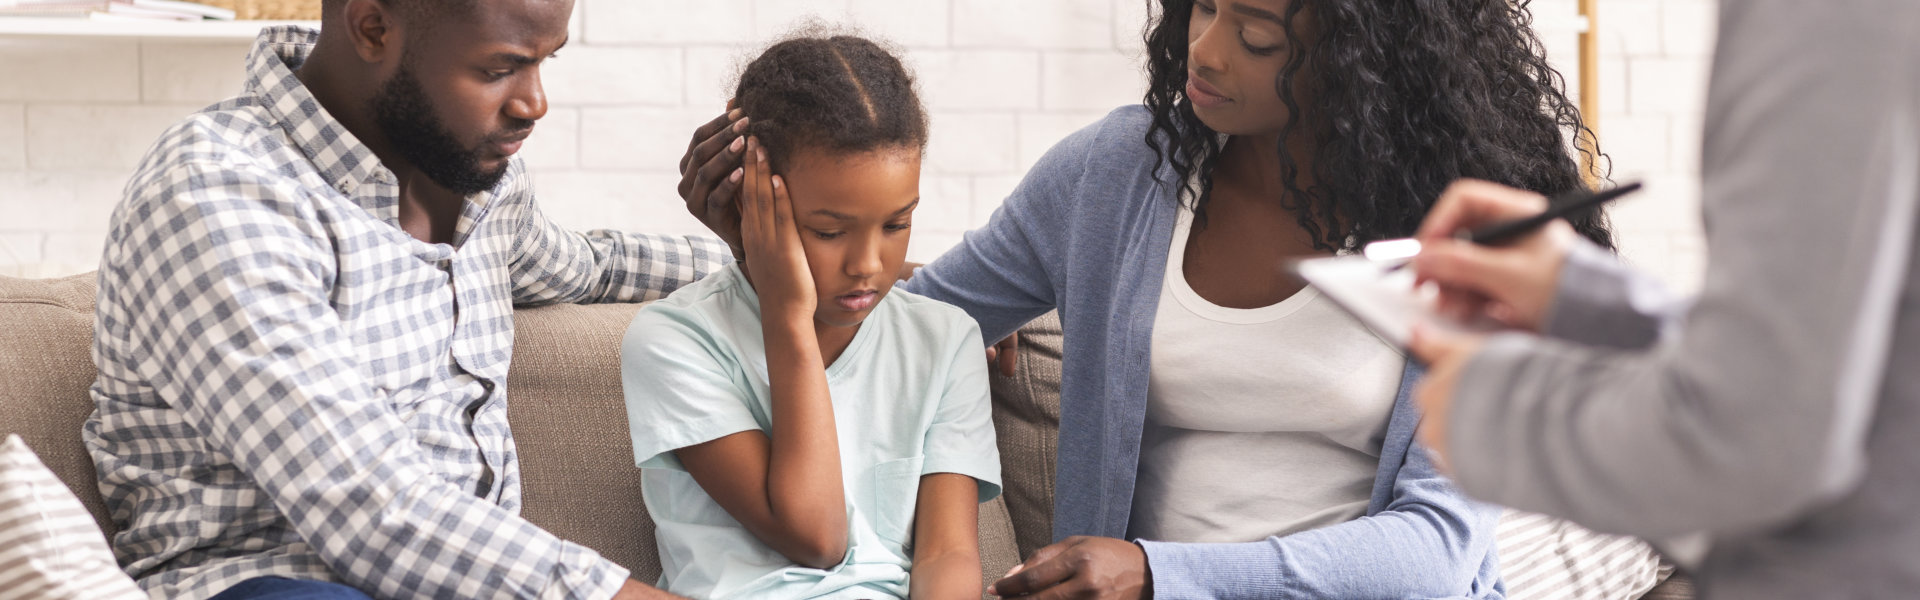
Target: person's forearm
(804, 488)
(946, 574)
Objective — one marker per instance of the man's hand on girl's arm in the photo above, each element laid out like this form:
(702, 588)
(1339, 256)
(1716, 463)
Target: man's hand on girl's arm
(1080, 567)
(946, 549)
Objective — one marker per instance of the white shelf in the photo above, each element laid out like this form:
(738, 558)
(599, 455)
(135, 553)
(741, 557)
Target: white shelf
(205, 30)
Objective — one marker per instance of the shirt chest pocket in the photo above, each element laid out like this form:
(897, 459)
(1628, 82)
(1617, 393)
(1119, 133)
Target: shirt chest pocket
(892, 490)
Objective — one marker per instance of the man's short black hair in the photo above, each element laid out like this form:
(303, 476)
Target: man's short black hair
(418, 11)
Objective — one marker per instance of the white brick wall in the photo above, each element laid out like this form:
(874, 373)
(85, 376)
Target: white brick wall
(1005, 79)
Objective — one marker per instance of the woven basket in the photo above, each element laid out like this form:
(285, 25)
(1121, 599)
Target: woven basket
(270, 10)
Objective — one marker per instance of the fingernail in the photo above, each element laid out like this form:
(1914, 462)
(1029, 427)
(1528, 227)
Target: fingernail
(777, 183)
(737, 144)
(741, 125)
(733, 114)
(737, 174)
(762, 153)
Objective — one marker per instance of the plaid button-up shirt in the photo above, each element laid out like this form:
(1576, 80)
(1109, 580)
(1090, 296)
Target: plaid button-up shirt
(291, 385)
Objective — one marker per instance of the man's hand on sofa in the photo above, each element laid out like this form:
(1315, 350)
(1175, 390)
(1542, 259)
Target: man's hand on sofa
(1080, 567)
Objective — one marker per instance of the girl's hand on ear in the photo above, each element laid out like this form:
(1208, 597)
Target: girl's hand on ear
(776, 262)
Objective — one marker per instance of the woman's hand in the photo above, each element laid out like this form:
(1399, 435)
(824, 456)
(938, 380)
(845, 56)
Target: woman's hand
(711, 173)
(776, 263)
(1080, 567)
(1513, 283)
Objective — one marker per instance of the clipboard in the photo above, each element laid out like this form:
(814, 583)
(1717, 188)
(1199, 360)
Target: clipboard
(1386, 301)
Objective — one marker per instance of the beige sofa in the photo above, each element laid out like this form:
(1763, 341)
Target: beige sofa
(568, 421)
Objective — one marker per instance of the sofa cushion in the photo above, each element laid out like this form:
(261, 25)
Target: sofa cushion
(564, 403)
(49, 546)
(46, 365)
(1026, 417)
(569, 422)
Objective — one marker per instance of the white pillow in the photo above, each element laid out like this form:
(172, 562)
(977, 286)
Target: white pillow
(1543, 558)
(50, 547)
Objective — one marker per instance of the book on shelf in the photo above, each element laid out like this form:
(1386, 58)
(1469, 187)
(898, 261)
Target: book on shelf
(114, 10)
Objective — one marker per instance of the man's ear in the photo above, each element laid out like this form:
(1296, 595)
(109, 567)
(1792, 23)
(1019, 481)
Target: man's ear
(373, 28)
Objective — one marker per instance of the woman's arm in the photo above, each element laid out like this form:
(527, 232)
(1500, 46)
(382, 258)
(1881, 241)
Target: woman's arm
(946, 548)
(785, 488)
(1429, 542)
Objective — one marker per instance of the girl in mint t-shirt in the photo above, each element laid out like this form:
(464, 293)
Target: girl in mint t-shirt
(804, 430)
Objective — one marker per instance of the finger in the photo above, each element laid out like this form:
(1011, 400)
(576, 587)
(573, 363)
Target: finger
(1464, 266)
(698, 168)
(1432, 345)
(782, 204)
(750, 193)
(1461, 304)
(706, 131)
(1470, 202)
(1009, 358)
(749, 219)
(761, 181)
(721, 173)
(723, 206)
(1047, 566)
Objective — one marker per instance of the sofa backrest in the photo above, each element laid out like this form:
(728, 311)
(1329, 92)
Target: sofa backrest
(1026, 418)
(564, 404)
(46, 368)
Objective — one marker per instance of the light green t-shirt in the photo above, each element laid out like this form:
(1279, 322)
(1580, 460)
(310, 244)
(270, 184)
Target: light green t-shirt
(910, 398)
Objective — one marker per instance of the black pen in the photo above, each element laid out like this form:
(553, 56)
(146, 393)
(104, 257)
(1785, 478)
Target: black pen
(1561, 206)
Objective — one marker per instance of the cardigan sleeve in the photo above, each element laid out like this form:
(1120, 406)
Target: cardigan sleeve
(1010, 271)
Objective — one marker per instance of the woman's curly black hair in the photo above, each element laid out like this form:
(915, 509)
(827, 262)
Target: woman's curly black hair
(1407, 96)
(835, 92)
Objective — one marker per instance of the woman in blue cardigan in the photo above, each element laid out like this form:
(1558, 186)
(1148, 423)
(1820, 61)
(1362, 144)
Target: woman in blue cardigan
(1250, 438)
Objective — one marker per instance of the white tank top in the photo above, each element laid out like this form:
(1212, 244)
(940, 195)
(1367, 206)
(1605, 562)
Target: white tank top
(1260, 422)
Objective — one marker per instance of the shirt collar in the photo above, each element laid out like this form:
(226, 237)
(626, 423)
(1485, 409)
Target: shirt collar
(340, 157)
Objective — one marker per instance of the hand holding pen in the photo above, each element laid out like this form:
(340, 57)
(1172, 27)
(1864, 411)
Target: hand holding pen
(1508, 265)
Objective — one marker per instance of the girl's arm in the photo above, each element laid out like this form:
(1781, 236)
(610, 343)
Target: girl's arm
(946, 548)
(785, 488)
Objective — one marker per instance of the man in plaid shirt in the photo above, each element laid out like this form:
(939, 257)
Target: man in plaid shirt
(305, 318)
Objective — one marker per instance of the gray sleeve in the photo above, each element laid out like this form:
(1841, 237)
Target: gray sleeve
(1600, 302)
(1757, 406)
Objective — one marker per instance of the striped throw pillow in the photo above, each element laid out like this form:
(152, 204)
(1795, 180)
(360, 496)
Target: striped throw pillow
(50, 547)
(1543, 558)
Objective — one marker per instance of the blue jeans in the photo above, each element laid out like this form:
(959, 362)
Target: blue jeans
(281, 588)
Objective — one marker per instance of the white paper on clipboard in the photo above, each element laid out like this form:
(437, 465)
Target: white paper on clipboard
(1386, 302)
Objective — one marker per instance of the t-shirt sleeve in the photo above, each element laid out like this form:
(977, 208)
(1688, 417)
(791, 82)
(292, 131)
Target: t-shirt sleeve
(681, 390)
(961, 438)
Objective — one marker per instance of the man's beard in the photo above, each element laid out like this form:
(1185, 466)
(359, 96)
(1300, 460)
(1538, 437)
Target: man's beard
(403, 113)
